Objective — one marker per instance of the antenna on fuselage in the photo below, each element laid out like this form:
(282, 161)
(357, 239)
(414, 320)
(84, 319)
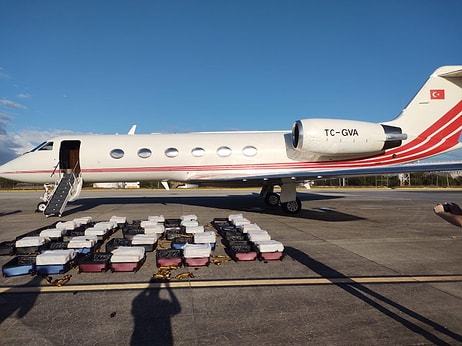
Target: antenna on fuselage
(132, 130)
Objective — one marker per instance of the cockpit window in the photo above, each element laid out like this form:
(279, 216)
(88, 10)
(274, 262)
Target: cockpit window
(43, 146)
(38, 146)
(47, 146)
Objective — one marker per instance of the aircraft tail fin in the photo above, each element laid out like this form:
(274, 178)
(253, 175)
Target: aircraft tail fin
(433, 118)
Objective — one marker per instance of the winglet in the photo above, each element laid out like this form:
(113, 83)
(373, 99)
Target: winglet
(132, 130)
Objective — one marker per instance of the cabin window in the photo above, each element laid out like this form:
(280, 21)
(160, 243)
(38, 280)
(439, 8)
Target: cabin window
(249, 151)
(117, 153)
(224, 151)
(198, 152)
(144, 153)
(171, 152)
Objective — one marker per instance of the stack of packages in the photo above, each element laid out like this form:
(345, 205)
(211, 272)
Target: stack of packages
(26, 249)
(141, 233)
(169, 256)
(198, 252)
(95, 262)
(102, 230)
(127, 258)
(189, 243)
(267, 248)
(55, 261)
(245, 240)
(236, 244)
(45, 250)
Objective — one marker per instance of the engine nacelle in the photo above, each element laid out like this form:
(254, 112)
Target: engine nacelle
(337, 139)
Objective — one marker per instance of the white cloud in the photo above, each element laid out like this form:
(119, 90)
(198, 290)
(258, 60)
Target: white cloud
(14, 144)
(23, 96)
(11, 104)
(4, 120)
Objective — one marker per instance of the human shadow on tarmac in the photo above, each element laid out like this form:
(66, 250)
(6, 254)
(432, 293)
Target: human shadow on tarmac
(152, 317)
(244, 203)
(21, 303)
(377, 301)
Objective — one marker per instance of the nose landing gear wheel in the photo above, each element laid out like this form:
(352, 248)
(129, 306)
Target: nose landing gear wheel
(292, 207)
(41, 207)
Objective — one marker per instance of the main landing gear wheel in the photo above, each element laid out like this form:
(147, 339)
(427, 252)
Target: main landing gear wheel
(272, 199)
(292, 207)
(41, 207)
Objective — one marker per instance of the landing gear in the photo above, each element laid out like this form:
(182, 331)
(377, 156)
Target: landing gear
(272, 199)
(45, 198)
(292, 207)
(41, 207)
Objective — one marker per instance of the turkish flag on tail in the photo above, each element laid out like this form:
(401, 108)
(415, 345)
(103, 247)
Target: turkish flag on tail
(437, 94)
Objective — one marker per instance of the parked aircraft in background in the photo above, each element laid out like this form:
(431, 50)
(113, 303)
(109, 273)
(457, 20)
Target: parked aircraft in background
(429, 125)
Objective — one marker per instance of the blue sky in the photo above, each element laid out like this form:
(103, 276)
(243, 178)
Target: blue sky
(177, 66)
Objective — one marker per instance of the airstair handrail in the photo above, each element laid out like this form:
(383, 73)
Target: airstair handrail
(75, 167)
(54, 169)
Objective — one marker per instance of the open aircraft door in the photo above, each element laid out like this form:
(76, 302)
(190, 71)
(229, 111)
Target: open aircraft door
(69, 153)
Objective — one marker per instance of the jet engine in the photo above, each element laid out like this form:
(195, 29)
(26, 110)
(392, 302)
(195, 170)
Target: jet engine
(337, 139)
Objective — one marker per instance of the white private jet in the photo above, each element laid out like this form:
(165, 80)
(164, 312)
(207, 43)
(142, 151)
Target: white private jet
(429, 125)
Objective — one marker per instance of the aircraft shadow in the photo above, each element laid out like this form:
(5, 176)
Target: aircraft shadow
(244, 203)
(378, 301)
(152, 317)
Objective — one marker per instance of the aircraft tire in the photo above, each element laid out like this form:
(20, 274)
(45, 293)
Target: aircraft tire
(292, 207)
(272, 199)
(41, 207)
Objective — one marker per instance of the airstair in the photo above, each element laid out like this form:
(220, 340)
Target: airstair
(61, 194)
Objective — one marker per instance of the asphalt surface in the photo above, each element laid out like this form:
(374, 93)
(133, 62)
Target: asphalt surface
(361, 267)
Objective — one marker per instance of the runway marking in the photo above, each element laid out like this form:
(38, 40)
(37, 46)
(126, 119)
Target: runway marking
(232, 283)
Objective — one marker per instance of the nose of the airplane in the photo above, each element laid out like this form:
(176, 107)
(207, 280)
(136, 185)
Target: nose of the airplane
(6, 170)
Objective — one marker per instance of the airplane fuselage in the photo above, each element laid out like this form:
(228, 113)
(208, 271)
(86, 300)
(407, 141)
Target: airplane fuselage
(180, 157)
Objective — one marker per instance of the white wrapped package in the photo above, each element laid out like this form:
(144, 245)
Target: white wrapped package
(187, 223)
(241, 222)
(194, 229)
(196, 250)
(269, 246)
(52, 233)
(131, 254)
(118, 219)
(67, 225)
(148, 223)
(232, 217)
(106, 224)
(98, 231)
(155, 228)
(156, 218)
(84, 220)
(53, 257)
(82, 241)
(30, 241)
(205, 237)
(140, 239)
(250, 227)
(258, 235)
(188, 217)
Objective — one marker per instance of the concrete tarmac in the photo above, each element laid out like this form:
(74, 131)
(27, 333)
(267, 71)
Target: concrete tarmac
(361, 267)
